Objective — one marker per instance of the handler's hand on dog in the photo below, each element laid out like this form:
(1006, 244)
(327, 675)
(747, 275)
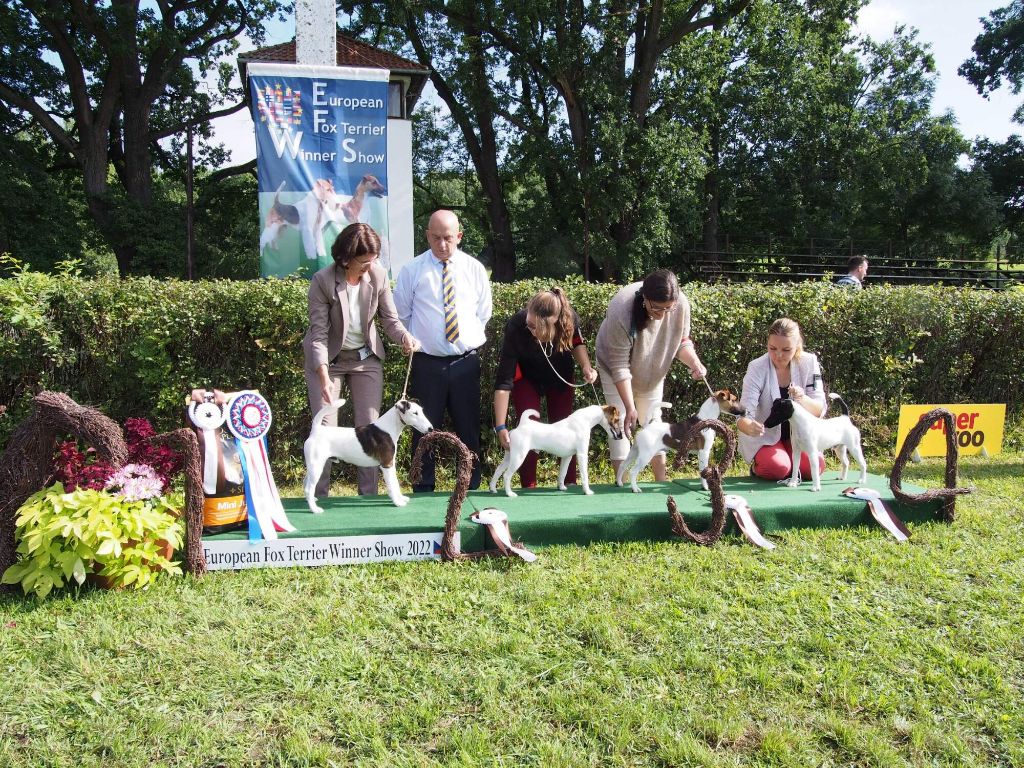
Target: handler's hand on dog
(630, 421)
(504, 440)
(750, 427)
(795, 393)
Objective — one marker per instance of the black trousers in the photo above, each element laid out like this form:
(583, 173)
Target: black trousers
(452, 385)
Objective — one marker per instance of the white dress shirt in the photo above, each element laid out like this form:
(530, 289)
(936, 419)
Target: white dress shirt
(420, 302)
(354, 337)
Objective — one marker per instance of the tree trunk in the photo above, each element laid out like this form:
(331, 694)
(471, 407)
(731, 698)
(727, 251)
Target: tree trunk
(712, 199)
(486, 162)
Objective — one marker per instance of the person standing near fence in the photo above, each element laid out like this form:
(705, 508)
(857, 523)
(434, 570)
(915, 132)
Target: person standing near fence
(856, 271)
(443, 297)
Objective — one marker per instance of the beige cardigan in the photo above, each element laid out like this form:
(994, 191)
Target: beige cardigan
(329, 314)
(761, 389)
(646, 356)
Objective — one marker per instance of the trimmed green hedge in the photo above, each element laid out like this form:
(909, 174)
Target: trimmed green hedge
(136, 347)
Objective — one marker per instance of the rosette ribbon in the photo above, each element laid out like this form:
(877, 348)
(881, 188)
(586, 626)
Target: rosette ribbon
(248, 420)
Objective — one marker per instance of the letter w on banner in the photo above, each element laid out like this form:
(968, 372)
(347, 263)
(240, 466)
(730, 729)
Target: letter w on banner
(321, 160)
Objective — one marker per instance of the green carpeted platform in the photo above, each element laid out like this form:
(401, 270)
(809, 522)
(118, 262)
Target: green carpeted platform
(544, 516)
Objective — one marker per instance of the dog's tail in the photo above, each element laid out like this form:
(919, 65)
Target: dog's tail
(318, 420)
(529, 413)
(842, 403)
(278, 190)
(655, 414)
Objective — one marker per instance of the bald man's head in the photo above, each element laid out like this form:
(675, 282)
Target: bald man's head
(444, 234)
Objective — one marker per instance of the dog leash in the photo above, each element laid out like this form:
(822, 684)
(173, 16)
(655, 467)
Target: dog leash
(569, 383)
(408, 370)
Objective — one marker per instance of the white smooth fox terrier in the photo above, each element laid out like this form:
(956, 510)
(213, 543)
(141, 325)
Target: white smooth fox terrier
(369, 446)
(813, 435)
(657, 436)
(564, 439)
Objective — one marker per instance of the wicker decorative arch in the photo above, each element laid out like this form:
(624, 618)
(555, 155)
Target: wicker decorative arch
(914, 437)
(713, 473)
(463, 457)
(26, 465)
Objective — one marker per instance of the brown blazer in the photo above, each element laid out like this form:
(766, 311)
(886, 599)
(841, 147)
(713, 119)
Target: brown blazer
(329, 316)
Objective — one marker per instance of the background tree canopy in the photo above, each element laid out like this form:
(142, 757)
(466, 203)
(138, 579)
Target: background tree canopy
(595, 138)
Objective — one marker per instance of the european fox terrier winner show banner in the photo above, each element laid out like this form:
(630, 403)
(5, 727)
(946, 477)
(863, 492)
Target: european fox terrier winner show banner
(321, 160)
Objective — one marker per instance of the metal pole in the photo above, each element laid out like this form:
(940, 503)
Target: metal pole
(189, 208)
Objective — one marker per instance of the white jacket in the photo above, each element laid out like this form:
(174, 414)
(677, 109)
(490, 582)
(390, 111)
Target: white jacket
(761, 389)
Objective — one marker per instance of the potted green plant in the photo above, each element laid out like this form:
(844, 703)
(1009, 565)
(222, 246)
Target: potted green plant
(123, 534)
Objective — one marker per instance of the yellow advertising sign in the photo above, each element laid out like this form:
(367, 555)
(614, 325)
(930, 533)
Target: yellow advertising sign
(977, 427)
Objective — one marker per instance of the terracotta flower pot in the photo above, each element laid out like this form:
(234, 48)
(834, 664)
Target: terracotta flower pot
(164, 548)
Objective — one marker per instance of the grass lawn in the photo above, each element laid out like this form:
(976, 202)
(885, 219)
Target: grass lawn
(840, 648)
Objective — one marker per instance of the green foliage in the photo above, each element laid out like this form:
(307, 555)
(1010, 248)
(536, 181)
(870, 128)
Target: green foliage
(137, 347)
(105, 83)
(999, 53)
(64, 537)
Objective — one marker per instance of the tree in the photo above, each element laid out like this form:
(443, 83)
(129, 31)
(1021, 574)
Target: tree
(575, 85)
(1003, 164)
(999, 53)
(106, 81)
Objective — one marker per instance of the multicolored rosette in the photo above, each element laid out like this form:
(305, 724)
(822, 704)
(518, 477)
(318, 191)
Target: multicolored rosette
(248, 419)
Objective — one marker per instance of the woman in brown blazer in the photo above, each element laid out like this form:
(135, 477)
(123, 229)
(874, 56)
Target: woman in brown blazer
(342, 343)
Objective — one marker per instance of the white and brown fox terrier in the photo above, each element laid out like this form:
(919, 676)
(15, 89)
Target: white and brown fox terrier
(369, 446)
(657, 436)
(564, 439)
(813, 435)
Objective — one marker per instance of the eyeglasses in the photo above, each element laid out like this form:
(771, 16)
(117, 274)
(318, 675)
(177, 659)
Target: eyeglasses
(654, 310)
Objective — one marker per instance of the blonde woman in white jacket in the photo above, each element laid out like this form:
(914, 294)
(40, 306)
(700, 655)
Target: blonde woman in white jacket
(785, 371)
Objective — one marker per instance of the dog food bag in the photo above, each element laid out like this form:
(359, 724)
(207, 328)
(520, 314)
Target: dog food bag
(225, 510)
(224, 507)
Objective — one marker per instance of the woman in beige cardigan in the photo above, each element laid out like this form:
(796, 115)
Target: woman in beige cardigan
(342, 343)
(646, 327)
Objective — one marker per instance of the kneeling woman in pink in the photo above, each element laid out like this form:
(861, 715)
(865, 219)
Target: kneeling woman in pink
(786, 371)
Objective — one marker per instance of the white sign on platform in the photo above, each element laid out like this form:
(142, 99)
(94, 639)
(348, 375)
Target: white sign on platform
(235, 554)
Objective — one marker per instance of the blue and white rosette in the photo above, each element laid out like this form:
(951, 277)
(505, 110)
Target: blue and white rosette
(248, 420)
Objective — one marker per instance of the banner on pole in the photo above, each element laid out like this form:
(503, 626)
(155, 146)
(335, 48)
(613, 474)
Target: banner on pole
(321, 160)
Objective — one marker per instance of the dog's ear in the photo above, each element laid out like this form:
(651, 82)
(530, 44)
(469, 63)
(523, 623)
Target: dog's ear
(403, 406)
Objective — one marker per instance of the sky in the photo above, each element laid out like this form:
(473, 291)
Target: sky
(950, 26)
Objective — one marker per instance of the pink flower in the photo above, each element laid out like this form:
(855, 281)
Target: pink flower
(135, 482)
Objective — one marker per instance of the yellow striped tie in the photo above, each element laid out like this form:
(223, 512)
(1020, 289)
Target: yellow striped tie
(451, 319)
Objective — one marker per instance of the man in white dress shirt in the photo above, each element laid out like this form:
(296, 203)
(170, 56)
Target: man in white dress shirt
(443, 297)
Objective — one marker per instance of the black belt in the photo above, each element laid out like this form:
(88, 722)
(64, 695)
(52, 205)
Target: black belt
(448, 357)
